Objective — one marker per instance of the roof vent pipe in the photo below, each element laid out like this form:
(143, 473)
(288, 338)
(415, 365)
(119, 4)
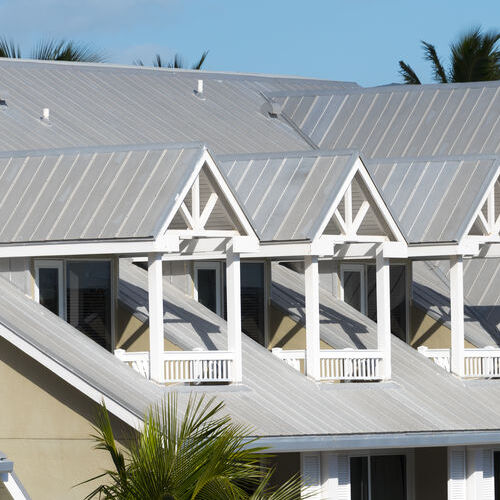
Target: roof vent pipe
(46, 114)
(198, 92)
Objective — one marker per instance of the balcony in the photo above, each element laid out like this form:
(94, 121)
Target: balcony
(339, 365)
(478, 363)
(195, 366)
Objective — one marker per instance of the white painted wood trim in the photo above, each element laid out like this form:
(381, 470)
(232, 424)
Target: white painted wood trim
(233, 289)
(384, 312)
(218, 281)
(457, 315)
(311, 275)
(14, 486)
(51, 264)
(156, 329)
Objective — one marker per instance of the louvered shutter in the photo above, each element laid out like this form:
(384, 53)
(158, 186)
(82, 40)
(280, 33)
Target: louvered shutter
(336, 477)
(488, 476)
(456, 474)
(344, 481)
(311, 475)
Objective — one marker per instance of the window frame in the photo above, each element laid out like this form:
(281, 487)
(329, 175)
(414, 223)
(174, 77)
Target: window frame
(358, 268)
(58, 264)
(61, 265)
(209, 265)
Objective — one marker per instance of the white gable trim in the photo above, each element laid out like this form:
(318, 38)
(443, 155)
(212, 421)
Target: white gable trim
(179, 206)
(359, 167)
(71, 378)
(488, 191)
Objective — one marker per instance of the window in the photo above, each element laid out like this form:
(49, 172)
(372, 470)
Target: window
(378, 477)
(207, 289)
(253, 301)
(353, 290)
(80, 292)
(360, 291)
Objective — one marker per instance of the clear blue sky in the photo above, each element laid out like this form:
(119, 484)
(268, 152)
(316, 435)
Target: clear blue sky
(358, 40)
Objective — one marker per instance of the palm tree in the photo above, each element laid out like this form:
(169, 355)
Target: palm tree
(201, 455)
(53, 50)
(474, 57)
(176, 62)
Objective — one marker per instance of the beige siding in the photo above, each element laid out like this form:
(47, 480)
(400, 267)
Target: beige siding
(46, 430)
(426, 331)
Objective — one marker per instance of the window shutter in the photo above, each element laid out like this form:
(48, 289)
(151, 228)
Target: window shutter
(344, 481)
(456, 474)
(311, 475)
(488, 476)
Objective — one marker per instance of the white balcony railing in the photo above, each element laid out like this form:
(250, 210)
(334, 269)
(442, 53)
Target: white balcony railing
(478, 363)
(339, 364)
(184, 366)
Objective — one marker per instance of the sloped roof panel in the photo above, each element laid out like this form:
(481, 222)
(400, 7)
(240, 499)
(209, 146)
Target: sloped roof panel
(432, 199)
(97, 104)
(400, 120)
(286, 196)
(87, 194)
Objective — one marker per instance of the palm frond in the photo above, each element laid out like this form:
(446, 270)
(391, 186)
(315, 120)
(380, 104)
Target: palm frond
(9, 49)
(409, 76)
(201, 61)
(430, 54)
(65, 50)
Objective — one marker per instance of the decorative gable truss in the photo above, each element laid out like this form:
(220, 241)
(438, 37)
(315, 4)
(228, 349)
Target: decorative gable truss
(358, 213)
(207, 208)
(486, 225)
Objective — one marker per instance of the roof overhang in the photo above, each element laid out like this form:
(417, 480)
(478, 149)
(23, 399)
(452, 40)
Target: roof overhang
(289, 444)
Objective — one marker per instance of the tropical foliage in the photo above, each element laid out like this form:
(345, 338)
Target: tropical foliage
(176, 62)
(200, 455)
(474, 57)
(53, 50)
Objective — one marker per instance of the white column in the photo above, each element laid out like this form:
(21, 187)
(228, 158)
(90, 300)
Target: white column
(457, 314)
(233, 290)
(312, 316)
(156, 334)
(384, 312)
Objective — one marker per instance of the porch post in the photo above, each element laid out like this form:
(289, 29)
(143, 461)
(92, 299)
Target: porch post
(384, 312)
(156, 335)
(457, 314)
(312, 316)
(233, 290)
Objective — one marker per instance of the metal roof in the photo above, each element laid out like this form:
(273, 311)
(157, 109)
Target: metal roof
(433, 199)
(95, 193)
(98, 104)
(286, 196)
(400, 121)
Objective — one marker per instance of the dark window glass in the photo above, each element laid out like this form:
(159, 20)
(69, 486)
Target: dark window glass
(352, 288)
(371, 289)
(89, 308)
(359, 478)
(207, 288)
(386, 481)
(388, 477)
(252, 300)
(48, 286)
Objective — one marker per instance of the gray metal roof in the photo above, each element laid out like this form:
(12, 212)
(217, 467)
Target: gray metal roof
(95, 193)
(97, 104)
(481, 294)
(433, 199)
(400, 121)
(286, 196)
(296, 405)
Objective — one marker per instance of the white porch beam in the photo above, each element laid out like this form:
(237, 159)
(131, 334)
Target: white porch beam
(457, 314)
(156, 333)
(397, 250)
(384, 312)
(233, 290)
(312, 316)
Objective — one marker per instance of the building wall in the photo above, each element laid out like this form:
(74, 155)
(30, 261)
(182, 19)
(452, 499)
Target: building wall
(426, 331)
(17, 271)
(46, 430)
(431, 473)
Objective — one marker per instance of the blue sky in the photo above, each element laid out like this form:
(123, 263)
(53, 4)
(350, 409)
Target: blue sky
(355, 40)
